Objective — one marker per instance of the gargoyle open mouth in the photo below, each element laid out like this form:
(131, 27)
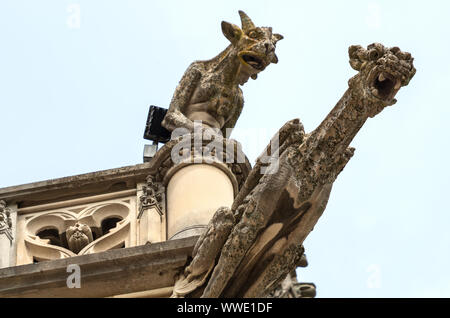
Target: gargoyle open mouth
(252, 60)
(385, 86)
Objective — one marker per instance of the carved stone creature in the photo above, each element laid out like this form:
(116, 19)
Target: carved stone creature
(275, 211)
(78, 236)
(382, 72)
(209, 90)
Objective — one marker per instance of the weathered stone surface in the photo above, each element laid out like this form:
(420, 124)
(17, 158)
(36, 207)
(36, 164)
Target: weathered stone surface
(153, 195)
(209, 90)
(78, 236)
(276, 211)
(114, 272)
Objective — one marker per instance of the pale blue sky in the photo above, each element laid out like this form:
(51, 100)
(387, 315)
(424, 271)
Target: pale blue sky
(74, 99)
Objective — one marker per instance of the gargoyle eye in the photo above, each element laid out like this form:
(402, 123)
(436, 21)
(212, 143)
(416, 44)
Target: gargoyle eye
(373, 55)
(253, 34)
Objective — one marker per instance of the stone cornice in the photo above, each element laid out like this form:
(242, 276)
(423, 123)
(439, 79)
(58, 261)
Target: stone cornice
(93, 183)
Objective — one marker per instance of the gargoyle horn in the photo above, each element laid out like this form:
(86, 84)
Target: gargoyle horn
(247, 23)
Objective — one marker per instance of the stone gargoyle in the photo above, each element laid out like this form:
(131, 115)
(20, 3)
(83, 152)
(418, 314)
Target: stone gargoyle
(209, 90)
(78, 236)
(248, 249)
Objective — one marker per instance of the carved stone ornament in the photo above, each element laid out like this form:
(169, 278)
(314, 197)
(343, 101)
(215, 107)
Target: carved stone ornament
(78, 236)
(68, 232)
(5, 220)
(276, 210)
(152, 195)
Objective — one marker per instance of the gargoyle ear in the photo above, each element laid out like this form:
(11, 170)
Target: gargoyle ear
(356, 53)
(277, 37)
(232, 32)
(274, 59)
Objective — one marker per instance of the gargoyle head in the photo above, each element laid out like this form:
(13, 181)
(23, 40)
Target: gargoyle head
(78, 236)
(382, 71)
(255, 45)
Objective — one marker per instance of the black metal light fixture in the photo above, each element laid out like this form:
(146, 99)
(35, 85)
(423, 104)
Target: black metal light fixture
(154, 131)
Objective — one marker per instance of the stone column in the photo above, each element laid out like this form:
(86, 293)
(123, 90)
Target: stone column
(8, 217)
(200, 174)
(194, 193)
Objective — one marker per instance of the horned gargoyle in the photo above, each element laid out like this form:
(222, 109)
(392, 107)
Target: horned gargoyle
(209, 90)
(247, 250)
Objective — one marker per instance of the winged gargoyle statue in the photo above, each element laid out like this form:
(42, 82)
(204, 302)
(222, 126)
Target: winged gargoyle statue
(248, 249)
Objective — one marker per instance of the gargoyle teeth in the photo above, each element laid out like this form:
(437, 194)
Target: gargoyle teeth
(253, 61)
(398, 85)
(374, 91)
(381, 78)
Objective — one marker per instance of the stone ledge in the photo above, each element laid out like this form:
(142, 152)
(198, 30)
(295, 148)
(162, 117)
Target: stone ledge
(114, 272)
(66, 188)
